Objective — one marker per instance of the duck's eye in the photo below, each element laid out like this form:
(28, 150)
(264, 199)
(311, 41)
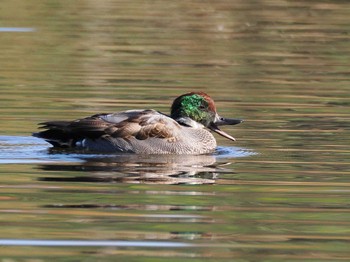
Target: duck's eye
(202, 107)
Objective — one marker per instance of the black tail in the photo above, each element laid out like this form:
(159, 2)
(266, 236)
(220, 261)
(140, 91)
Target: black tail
(56, 133)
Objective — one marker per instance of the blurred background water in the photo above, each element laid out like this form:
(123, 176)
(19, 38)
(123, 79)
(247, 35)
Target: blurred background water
(281, 192)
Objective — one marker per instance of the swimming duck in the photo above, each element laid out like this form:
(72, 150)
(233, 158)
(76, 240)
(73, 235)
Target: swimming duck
(148, 131)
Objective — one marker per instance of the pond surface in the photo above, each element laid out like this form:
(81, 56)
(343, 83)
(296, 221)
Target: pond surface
(281, 192)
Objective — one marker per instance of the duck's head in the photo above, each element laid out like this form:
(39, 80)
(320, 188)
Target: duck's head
(200, 107)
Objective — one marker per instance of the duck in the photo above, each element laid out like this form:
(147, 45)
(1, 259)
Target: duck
(144, 131)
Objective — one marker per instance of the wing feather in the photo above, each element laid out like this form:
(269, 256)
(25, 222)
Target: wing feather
(138, 124)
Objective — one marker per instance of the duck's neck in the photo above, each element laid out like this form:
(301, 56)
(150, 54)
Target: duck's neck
(186, 121)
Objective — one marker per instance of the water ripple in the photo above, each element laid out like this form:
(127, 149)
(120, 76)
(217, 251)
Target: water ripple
(17, 29)
(91, 243)
(21, 150)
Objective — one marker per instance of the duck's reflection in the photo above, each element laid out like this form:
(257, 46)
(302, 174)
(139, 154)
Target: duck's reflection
(131, 168)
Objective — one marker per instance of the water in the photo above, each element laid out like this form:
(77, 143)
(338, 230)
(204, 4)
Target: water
(280, 193)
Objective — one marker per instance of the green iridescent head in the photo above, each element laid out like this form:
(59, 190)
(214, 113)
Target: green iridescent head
(197, 106)
(201, 108)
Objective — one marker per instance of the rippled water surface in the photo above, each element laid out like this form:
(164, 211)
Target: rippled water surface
(281, 192)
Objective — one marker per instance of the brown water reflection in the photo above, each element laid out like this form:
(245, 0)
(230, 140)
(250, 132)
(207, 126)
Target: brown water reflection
(126, 168)
(280, 65)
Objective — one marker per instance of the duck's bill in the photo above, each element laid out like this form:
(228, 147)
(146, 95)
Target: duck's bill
(216, 129)
(221, 121)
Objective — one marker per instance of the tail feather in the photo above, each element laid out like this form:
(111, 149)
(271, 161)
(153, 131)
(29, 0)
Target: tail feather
(54, 125)
(67, 133)
(56, 133)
